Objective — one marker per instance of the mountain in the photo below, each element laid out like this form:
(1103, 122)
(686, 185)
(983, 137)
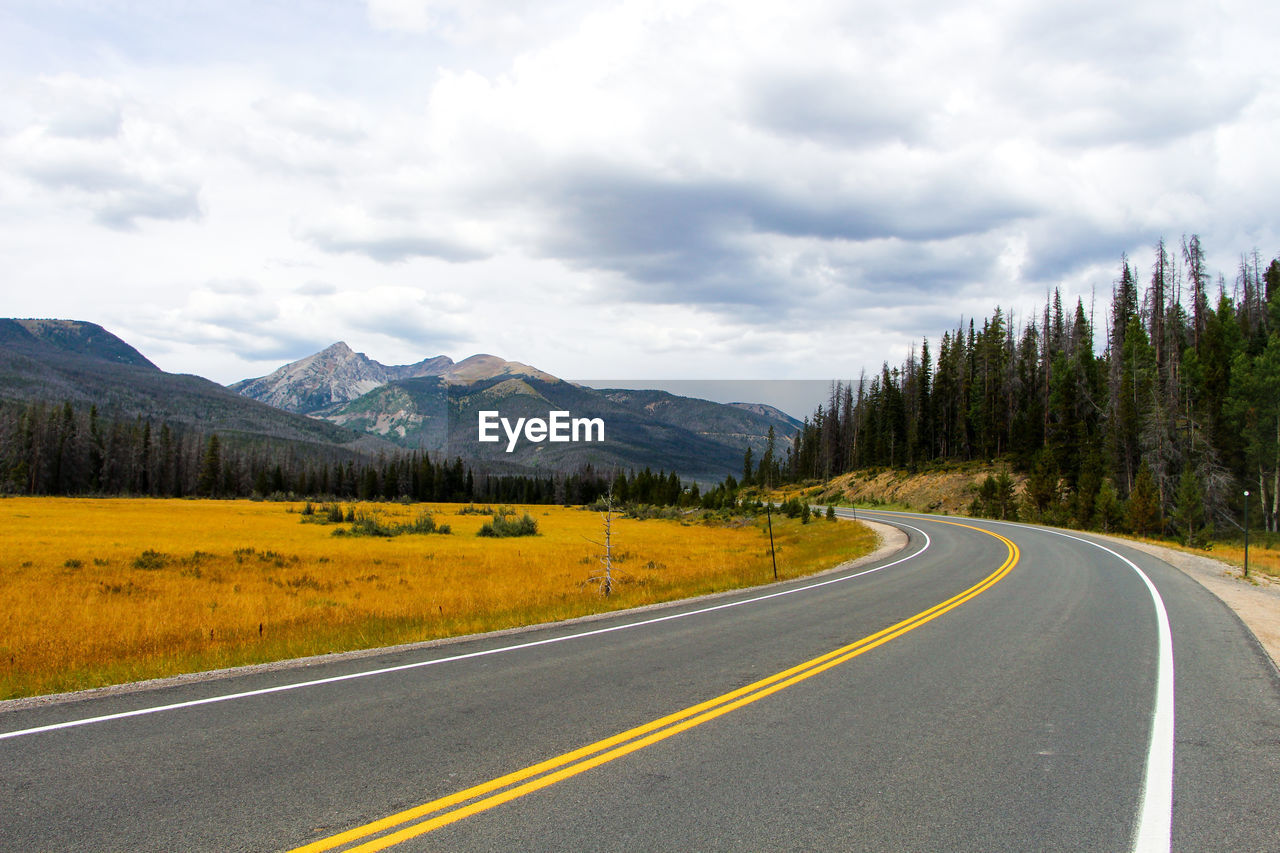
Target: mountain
(767, 411)
(55, 361)
(323, 383)
(727, 422)
(443, 416)
(73, 337)
(331, 377)
(341, 400)
(435, 405)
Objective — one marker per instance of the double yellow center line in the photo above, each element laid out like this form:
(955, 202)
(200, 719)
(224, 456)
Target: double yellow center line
(422, 819)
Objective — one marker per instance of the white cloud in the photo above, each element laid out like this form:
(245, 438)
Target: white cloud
(704, 186)
(317, 288)
(393, 239)
(89, 151)
(506, 26)
(411, 15)
(78, 108)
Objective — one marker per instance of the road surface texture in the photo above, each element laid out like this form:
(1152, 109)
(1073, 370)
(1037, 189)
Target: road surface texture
(990, 687)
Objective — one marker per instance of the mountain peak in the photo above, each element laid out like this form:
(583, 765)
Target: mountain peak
(334, 376)
(484, 366)
(338, 349)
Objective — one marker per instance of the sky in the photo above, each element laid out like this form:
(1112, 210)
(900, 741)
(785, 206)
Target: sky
(688, 190)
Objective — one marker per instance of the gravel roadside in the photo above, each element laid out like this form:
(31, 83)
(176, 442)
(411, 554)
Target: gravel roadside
(1256, 600)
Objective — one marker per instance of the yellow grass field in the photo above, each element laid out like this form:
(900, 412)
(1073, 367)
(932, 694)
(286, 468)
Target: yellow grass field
(105, 591)
(1262, 560)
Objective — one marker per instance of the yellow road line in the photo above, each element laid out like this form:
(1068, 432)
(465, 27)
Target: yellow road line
(551, 771)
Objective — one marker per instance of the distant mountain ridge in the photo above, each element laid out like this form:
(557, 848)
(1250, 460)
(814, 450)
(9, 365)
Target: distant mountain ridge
(434, 405)
(333, 376)
(339, 400)
(78, 362)
(766, 411)
(322, 383)
(71, 336)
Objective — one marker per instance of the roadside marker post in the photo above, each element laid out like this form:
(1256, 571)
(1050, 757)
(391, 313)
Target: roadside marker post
(768, 511)
(1246, 533)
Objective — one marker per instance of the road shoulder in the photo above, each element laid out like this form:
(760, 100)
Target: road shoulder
(1256, 601)
(890, 541)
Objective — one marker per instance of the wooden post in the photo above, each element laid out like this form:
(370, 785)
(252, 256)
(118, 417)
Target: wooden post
(608, 545)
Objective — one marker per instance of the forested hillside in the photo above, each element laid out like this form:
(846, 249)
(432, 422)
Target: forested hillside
(1157, 422)
(62, 450)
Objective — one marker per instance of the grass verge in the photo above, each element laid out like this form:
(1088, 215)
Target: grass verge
(96, 592)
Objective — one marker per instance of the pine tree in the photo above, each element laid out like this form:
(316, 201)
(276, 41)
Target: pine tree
(1198, 278)
(984, 502)
(1143, 513)
(1107, 509)
(210, 469)
(1253, 408)
(1006, 500)
(1188, 512)
(1130, 401)
(1042, 486)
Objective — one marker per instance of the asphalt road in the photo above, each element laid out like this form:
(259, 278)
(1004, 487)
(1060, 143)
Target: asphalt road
(1030, 711)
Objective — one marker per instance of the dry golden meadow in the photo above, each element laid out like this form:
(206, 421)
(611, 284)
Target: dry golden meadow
(1263, 560)
(105, 591)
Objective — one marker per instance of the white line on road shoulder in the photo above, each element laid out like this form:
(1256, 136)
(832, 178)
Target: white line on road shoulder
(1155, 816)
(1155, 812)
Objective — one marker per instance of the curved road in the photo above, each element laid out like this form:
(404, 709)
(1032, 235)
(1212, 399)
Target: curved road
(992, 687)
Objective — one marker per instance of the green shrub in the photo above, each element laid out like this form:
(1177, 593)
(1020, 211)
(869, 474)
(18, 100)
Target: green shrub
(424, 523)
(372, 524)
(151, 560)
(508, 525)
(369, 524)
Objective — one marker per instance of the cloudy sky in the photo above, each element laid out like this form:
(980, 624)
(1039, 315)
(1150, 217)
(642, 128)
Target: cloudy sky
(635, 189)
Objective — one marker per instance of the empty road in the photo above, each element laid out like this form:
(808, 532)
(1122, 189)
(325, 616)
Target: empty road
(991, 687)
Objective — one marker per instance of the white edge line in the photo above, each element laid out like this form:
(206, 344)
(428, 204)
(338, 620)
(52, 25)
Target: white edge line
(1155, 815)
(1153, 833)
(281, 688)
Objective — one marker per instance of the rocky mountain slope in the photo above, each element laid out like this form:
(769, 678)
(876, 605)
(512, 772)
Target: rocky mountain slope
(331, 377)
(72, 361)
(434, 405)
(341, 399)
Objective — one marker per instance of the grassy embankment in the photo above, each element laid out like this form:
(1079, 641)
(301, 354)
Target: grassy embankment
(96, 592)
(950, 490)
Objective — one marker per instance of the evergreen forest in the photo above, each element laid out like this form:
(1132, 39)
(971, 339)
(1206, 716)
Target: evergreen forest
(1155, 423)
(48, 449)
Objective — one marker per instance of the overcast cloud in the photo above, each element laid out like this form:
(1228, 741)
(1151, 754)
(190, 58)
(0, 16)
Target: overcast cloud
(645, 189)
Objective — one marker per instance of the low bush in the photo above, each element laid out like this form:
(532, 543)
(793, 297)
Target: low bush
(151, 560)
(372, 524)
(509, 525)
